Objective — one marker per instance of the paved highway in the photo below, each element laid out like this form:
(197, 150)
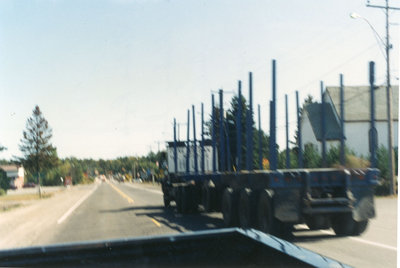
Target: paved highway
(112, 210)
(124, 210)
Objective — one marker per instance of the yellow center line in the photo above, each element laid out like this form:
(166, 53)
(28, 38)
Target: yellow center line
(130, 200)
(155, 222)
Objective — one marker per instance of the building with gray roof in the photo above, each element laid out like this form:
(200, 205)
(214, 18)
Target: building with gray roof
(356, 118)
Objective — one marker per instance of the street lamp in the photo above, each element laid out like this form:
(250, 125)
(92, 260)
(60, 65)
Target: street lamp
(387, 46)
(358, 16)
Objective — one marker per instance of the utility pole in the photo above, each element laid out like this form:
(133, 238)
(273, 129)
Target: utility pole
(388, 46)
(158, 146)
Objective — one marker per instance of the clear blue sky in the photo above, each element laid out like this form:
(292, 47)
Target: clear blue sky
(110, 76)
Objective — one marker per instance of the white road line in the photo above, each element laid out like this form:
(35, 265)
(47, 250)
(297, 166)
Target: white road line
(75, 206)
(146, 189)
(373, 243)
(364, 241)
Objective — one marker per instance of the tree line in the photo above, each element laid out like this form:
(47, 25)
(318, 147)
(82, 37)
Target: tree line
(44, 167)
(83, 171)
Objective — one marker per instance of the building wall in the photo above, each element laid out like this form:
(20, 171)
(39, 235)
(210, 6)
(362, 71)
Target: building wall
(308, 136)
(356, 134)
(21, 172)
(17, 182)
(16, 176)
(12, 173)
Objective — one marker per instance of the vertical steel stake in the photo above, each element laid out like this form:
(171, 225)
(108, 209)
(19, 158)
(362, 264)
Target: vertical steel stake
(342, 145)
(249, 127)
(196, 168)
(214, 152)
(299, 133)
(260, 157)
(202, 139)
(323, 125)
(373, 136)
(188, 142)
(221, 130)
(239, 128)
(287, 133)
(273, 151)
(175, 152)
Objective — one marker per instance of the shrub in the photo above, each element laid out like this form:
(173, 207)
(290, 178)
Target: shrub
(312, 159)
(382, 157)
(282, 159)
(353, 161)
(4, 180)
(2, 192)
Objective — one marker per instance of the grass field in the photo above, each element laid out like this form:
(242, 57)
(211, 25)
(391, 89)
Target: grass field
(24, 197)
(9, 202)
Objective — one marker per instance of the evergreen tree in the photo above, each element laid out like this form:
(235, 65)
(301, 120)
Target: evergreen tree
(38, 152)
(230, 131)
(295, 149)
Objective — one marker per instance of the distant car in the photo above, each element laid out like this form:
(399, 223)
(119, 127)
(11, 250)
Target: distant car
(29, 185)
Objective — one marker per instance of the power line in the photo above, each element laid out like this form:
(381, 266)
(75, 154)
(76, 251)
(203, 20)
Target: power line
(336, 67)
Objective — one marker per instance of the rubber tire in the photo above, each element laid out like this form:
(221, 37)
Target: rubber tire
(318, 222)
(207, 197)
(264, 214)
(178, 199)
(167, 202)
(247, 209)
(184, 204)
(187, 199)
(229, 208)
(345, 225)
(360, 227)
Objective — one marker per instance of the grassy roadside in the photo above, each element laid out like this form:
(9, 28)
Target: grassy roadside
(9, 202)
(385, 196)
(24, 197)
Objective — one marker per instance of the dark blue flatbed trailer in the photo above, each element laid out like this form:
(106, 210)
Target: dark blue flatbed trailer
(270, 200)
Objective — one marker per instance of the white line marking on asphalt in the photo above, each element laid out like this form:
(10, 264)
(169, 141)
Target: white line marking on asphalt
(373, 243)
(364, 241)
(142, 188)
(75, 206)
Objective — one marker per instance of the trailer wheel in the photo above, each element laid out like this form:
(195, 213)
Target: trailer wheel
(178, 199)
(247, 208)
(166, 201)
(229, 207)
(207, 197)
(317, 222)
(188, 199)
(344, 225)
(264, 213)
(185, 200)
(360, 227)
